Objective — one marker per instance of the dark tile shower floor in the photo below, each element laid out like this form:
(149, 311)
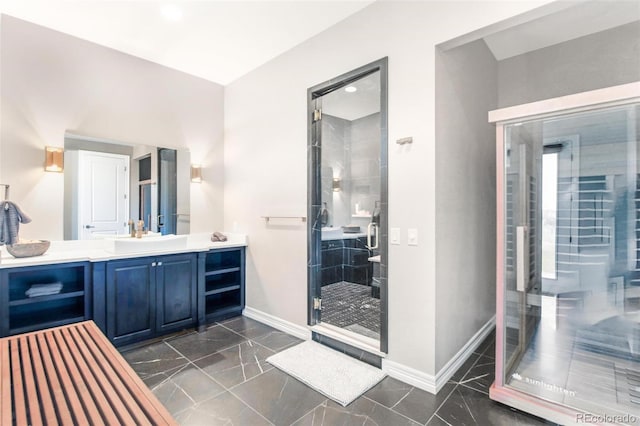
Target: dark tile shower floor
(350, 306)
(220, 377)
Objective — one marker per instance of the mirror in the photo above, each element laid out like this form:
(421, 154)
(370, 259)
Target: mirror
(108, 183)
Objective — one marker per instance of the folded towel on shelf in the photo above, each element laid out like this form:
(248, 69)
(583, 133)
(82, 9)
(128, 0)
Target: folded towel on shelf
(44, 289)
(217, 236)
(10, 218)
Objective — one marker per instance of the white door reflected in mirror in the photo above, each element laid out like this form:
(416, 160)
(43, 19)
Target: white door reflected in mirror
(103, 199)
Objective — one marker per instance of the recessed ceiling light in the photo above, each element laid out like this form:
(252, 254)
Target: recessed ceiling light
(350, 89)
(171, 12)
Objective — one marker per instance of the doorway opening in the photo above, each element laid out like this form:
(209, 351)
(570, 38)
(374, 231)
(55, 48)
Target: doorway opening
(347, 207)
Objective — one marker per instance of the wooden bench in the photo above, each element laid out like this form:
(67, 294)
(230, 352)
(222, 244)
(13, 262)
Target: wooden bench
(72, 375)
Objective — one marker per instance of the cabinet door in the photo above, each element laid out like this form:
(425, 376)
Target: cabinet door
(177, 292)
(131, 291)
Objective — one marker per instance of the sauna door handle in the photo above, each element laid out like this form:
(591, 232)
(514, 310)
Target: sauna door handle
(522, 257)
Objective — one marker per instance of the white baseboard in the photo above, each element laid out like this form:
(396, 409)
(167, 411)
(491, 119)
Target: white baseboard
(299, 331)
(429, 382)
(449, 369)
(417, 378)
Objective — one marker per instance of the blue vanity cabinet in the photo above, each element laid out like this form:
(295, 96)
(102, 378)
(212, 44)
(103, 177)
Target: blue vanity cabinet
(148, 296)
(221, 284)
(176, 290)
(130, 300)
(20, 313)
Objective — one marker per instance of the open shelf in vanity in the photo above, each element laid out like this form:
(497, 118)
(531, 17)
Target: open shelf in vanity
(21, 313)
(222, 287)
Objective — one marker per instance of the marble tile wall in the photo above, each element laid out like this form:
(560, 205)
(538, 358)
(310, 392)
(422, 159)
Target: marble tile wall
(350, 151)
(336, 163)
(346, 260)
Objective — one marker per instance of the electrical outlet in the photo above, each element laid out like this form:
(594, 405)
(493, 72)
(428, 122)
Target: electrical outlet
(394, 236)
(412, 237)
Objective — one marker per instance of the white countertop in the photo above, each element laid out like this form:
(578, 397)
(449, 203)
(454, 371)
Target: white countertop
(95, 251)
(344, 236)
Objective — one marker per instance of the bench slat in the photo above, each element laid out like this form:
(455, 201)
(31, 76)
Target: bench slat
(5, 384)
(29, 383)
(104, 393)
(69, 393)
(111, 376)
(57, 393)
(97, 407)
(18, 390)
(42, 385)
(156, 412)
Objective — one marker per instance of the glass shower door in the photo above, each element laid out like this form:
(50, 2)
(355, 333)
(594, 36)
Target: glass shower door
(347, 208)
(351, 182)
(167, 191)
(571, 279)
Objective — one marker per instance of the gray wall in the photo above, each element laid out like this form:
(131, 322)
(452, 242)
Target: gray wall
(603, 59)
(52, 83)
(466, 88)
(265, 146)
(470, 82)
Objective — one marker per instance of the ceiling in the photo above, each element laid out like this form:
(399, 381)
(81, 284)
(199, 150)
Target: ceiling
(216, 40)
(578, 19)
(222, 40)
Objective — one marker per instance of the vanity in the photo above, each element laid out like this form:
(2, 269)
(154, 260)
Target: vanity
(132, 293)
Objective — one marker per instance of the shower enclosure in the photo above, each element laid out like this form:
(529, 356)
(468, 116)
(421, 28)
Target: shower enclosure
(348, 206)
(568, 275)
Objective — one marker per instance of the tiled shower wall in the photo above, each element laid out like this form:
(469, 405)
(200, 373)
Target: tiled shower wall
(346, 260)
(336, 134)
(351, 152)
(365, 165)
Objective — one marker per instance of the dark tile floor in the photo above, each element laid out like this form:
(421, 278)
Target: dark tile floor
(351, 306)
(220, 377)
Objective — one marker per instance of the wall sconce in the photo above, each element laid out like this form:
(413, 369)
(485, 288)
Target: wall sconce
(196, 173)
(53, 159)
(337, 185)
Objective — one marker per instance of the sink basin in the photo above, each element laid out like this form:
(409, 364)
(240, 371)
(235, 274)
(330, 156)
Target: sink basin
(329, 232)
(28, 248)
(97, 236)
(151, 243)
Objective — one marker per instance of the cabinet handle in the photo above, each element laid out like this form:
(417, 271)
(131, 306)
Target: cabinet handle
(153, 263)
(159, 263)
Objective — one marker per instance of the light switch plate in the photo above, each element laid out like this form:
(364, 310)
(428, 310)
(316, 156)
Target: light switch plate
(394, 236)
(412, 237)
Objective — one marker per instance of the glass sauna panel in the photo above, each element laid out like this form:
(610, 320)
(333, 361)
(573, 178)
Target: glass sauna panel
(572, 267)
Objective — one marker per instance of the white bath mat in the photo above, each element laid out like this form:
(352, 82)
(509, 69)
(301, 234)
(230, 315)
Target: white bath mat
(333, 374)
